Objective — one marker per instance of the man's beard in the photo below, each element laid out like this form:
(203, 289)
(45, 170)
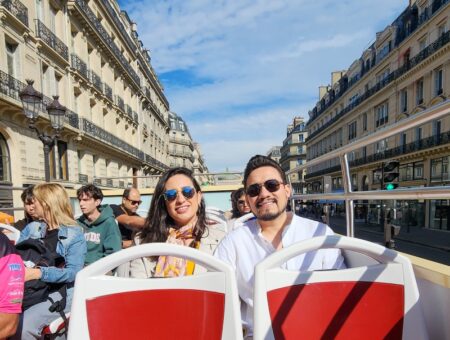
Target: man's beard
(270, 216)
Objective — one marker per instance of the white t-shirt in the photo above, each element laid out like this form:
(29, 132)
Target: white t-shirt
(245, 247)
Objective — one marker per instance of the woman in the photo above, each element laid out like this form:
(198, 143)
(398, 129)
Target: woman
(239, 207)
(239, 204)
(58, 231)
(177, 215)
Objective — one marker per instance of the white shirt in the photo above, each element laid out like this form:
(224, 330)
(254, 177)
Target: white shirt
(245, 247)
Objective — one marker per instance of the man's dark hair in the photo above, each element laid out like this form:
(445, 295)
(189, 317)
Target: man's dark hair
(126, 193)
(91, 191)
(259, 161)
(27, 195)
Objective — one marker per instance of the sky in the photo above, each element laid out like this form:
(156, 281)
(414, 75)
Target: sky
(238, 71)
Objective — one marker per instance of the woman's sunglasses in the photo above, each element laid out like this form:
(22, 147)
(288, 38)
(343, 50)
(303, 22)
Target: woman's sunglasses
(271, 185)
(171, 195)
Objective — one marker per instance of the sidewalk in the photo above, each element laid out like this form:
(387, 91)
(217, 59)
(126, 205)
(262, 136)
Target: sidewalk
(438, 239)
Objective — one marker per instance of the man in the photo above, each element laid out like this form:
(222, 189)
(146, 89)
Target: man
(12, 274)
(126, 215)
(273, 228)
(29, 208)
(100, 228)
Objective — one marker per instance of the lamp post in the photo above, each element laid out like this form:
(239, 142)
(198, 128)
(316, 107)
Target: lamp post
(32, 101)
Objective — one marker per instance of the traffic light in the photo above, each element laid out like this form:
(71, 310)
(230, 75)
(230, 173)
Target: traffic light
(390, 174)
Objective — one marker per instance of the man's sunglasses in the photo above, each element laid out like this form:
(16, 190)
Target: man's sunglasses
(271, 185)
(171, 195)
(133, 202)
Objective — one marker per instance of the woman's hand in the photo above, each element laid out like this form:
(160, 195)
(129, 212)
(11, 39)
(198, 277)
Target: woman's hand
(32, 274)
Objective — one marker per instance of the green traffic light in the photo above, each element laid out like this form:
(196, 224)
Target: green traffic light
(390, 186)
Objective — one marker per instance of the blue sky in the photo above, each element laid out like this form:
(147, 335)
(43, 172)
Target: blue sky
(239, 71)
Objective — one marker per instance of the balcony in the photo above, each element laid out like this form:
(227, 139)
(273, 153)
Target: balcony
(17, 9)
(48, 37)
(443, 40)
(95, 79)
(79, 65)
(108, 43)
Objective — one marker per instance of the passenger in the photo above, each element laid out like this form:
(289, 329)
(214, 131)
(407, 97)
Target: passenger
(273, 229)
(28, 205)
(100, 228)
(59, 232)
(126, 215)
(177, 215)
(12, 275)
(239, 207)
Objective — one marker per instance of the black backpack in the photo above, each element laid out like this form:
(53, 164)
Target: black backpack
(36, 291)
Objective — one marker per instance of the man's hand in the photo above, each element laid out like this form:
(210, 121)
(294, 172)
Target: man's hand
(32, 274)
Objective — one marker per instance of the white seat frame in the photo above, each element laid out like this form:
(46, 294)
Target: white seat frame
(269, 276)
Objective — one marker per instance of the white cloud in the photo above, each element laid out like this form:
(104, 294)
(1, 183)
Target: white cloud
(262, 62)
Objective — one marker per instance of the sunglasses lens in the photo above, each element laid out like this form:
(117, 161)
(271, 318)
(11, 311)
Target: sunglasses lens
(272, 185)
(170, 195)
(188, 192)
(253, 190)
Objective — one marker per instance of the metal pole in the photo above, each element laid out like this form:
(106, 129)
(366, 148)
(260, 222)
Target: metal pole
(47, 162)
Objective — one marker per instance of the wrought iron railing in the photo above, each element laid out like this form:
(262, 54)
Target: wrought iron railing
(17, 9)
(422, 144)
(443, 40)
(107, 39)
(426, 15)
(108, 91)
(47, 36)
(95, 79)
(79, 65)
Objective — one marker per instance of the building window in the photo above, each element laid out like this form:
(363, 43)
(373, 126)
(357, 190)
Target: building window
(419, 92)
(381, 114)
(439, 169)
(58, 161)
(381, 146)
(299, 150)
(441, 30)
(5, 173)
(336, 183)
(352, 130)
(364, 121)
(404, 100)
(376, 176)
(354, 182)
(11, 59)
(438, 81)
(300, 138)
(422, 43)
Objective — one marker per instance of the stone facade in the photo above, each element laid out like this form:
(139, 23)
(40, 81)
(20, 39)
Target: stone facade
(88, 53)
(405, 71)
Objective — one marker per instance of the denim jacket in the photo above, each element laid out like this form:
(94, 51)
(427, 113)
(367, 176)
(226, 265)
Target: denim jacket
(71, 245)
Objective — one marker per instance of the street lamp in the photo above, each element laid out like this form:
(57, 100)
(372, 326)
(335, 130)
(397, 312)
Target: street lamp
(31, 102)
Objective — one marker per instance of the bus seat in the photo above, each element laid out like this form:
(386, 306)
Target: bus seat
(12, 233)
(204, 306)
(374, 300)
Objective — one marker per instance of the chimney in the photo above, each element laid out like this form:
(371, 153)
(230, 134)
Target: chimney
(336, 76)
(322, 91)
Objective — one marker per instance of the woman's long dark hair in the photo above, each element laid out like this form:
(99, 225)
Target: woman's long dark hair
(158, 222)
(235, 195)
